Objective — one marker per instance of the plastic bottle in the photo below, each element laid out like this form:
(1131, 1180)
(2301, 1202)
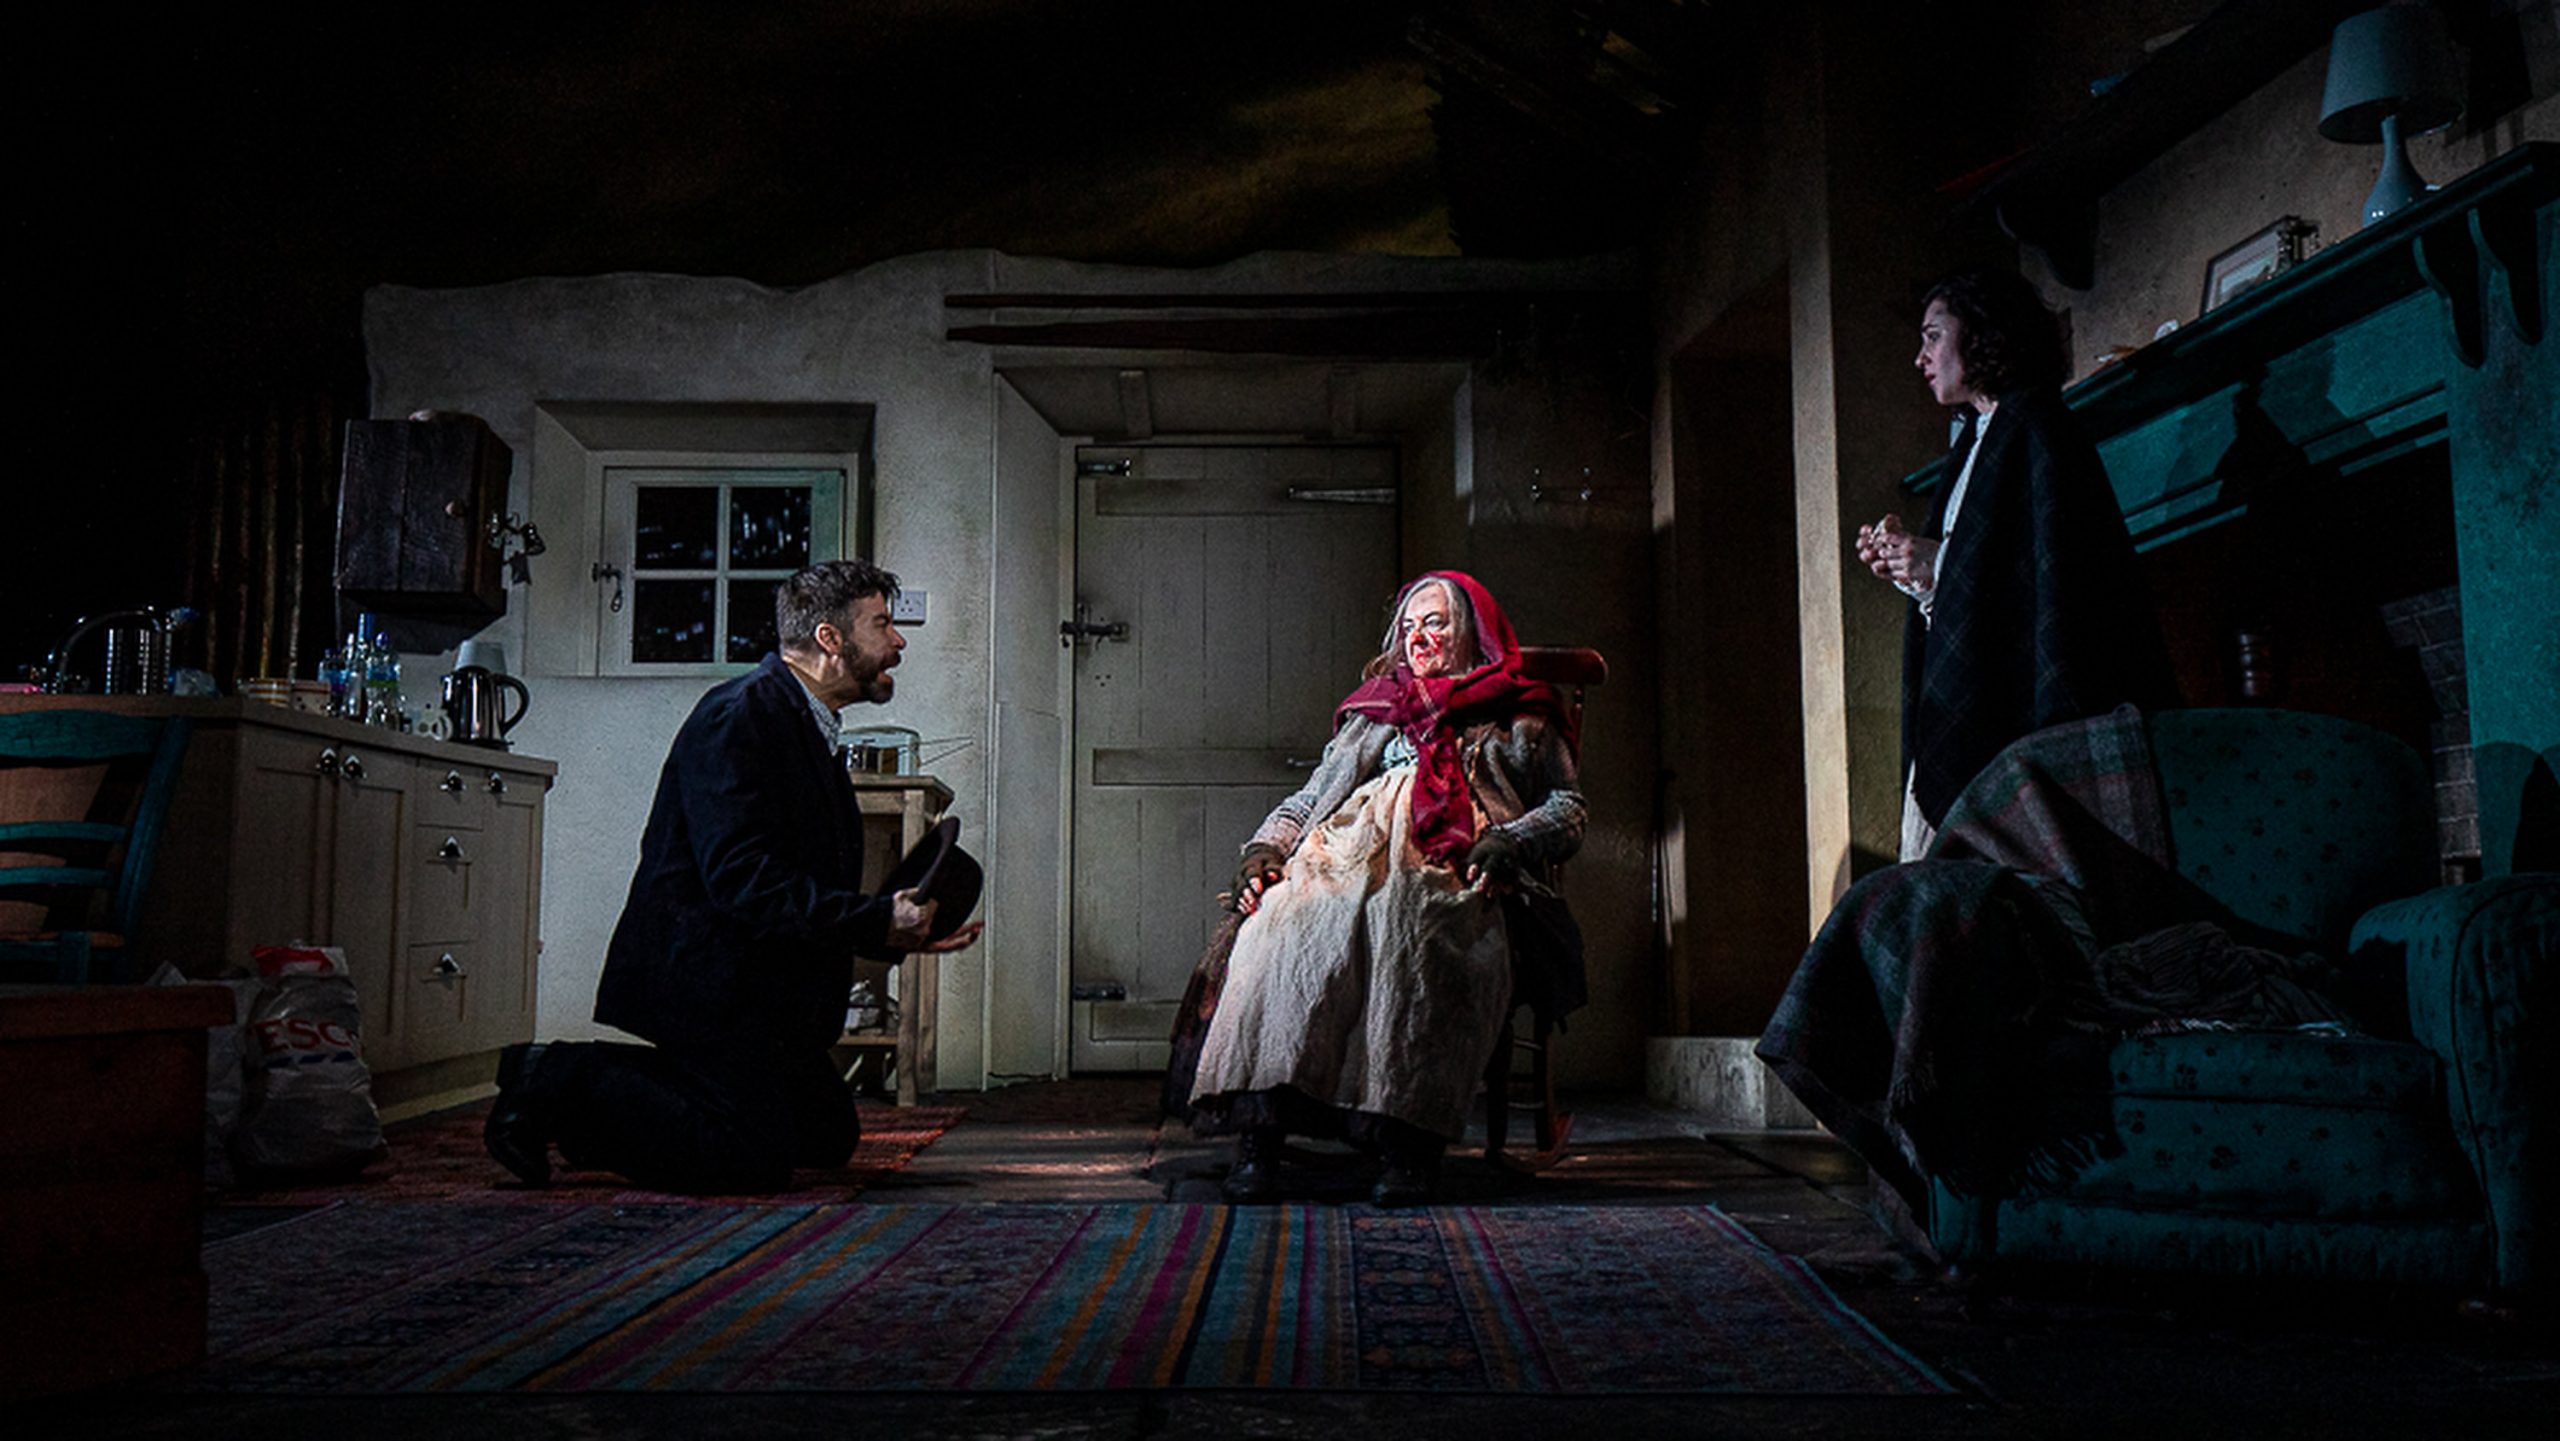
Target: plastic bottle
(382, 683)
(357, 650)
(337, 676)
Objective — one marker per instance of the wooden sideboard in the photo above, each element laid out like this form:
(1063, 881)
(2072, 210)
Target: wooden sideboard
(420, 859)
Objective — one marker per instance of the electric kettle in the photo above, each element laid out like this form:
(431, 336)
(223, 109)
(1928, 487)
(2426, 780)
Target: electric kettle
(472, 706)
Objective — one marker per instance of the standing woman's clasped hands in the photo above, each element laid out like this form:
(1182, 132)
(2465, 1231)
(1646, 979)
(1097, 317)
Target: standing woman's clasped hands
(1909, 561)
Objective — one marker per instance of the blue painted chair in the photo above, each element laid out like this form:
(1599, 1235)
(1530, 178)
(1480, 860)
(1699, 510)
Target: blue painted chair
(83, 798)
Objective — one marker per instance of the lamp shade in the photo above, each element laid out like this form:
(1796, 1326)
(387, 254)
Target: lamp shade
(2386, 62)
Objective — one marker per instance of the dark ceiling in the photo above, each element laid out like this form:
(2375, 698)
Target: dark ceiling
(207, 195)
(291, 162)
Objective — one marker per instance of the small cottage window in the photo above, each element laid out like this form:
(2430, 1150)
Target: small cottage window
(705, 547)
(670, 523)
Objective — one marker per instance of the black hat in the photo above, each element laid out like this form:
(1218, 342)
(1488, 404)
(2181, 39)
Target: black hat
(939, 871)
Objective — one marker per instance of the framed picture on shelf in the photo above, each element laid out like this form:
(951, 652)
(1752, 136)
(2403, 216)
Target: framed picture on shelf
(2263, 256)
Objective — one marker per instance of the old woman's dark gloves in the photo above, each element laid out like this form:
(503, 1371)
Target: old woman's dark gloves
(1261, 861)
(1495, 856)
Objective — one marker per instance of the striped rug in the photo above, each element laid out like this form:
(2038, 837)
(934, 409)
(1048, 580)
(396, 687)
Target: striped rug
(367, 1298)
(441, 1156)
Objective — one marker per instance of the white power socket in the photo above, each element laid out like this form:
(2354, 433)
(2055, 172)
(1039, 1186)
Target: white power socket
(909, 609)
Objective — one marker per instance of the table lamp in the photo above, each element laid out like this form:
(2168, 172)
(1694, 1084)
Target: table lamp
(2391, 73)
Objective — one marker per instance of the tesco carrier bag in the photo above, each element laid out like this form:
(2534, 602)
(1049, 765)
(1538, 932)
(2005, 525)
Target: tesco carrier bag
(310, 1097)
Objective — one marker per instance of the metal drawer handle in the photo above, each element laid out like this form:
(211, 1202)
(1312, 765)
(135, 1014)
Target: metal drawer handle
(352, 767)
(1298, 763)
(497, 784)
(451, 784)
(449, 969)
(451, 850)
(328, 761)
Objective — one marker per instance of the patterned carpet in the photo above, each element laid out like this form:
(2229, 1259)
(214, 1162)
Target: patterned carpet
(464, 1296)
(440, 1157)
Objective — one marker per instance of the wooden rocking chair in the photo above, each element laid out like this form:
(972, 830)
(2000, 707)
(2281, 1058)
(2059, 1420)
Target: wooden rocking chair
(1521, 1073)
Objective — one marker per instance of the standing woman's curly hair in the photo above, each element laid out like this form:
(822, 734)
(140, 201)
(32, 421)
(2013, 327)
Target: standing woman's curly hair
(2006, 338)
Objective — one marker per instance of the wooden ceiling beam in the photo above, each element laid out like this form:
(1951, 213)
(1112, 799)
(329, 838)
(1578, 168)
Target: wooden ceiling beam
(1355, 300)
(1603, 125)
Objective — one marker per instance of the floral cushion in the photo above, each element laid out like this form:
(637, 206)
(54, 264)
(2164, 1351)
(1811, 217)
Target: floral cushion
(2294, 1066)
(2297, 822)
(2258, 1158)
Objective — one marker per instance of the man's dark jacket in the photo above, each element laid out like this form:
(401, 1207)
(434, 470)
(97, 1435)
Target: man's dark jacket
(2040, 615)
(747, 909)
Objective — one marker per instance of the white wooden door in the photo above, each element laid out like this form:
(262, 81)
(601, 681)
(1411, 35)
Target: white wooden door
(1253, 583)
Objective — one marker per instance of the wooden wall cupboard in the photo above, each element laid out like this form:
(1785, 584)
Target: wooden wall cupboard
(421, 860)
(418, 515)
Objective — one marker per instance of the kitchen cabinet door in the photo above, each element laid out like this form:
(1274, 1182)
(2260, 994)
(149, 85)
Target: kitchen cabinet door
(506, 910)
(279, 857)
(368, 826)
(315, 858)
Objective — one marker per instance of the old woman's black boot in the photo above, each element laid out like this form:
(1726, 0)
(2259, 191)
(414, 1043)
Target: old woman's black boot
(1413, 1165)
(1254, 1179)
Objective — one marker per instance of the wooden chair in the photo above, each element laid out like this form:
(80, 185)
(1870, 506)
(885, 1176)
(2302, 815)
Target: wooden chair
(83, 795)
(1521, 1073)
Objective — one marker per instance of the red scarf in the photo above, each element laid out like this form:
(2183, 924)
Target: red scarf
(1432, 711)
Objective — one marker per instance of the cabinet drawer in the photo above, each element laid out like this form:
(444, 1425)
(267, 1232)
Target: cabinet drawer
(453, 796)
(436, 982)
(444, 865)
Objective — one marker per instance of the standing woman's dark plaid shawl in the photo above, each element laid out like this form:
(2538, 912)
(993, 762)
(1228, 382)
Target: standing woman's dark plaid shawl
(2040, 616)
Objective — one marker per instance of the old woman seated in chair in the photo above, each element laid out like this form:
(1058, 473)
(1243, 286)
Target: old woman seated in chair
(1360, 991)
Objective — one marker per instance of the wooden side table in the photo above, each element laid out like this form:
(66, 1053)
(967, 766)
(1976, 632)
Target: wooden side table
(896, 812)
(101, 1175)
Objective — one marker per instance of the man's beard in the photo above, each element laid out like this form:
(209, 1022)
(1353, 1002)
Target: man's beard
(877, 687)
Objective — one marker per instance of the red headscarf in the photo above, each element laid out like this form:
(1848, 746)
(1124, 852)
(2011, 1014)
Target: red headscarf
(1431, 711)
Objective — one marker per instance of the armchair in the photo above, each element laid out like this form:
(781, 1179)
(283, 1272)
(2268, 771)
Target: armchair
(2403, 1151)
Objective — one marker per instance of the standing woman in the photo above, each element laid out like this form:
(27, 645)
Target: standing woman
(2027, 609)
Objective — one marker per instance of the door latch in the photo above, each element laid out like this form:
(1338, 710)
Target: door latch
(1071, 631)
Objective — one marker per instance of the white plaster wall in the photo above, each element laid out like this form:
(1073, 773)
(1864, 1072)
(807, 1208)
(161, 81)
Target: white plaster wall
(1025, 1015)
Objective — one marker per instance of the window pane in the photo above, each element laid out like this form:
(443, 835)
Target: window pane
(769, 528)
(751, 632)
(671, 620)
(677, 527)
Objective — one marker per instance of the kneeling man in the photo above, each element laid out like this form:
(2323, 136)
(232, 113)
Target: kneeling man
(736, 945)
